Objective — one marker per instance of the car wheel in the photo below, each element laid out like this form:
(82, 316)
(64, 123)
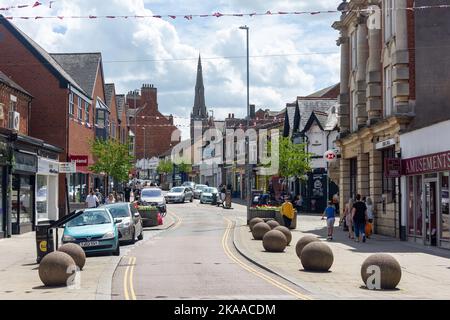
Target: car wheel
(192, 199)
(141, 236)
(117, 251)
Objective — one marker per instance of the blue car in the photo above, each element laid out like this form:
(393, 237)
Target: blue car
(95, 231)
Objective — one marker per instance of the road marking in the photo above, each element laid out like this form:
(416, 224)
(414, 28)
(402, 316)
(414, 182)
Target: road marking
(129, 280)
(272, 281)
(178, 221)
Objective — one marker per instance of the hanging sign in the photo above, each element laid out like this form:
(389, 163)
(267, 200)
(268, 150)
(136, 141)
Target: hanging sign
(330, 156)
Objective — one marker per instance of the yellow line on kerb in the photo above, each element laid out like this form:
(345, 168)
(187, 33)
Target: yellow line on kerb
(270, 280)
(128, 280)
(177, 222)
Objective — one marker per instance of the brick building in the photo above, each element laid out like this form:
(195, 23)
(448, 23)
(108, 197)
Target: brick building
(151, 129)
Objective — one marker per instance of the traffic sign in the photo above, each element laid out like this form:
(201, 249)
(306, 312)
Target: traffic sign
(330, 156)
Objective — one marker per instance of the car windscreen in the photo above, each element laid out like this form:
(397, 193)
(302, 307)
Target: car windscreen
(201, 188)
(150, 193)
(210, 190)
(119, 211)
(177, 190)
(90, 218)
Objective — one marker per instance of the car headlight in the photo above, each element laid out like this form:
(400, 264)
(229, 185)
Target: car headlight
(124, 224)
(67, 238)
(109, 235)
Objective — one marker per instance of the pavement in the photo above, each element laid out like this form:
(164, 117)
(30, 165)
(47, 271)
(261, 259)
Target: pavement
(19, 277)
(425, 270)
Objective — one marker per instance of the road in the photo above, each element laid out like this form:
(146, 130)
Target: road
(195, 259)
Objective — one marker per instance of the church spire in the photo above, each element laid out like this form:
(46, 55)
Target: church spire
(199, 109)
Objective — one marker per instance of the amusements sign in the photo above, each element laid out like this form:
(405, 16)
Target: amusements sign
(425, 164)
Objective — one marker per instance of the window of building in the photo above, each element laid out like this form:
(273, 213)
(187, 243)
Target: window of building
(42, 197)
(100, 122)
(80, 109)
(388, 98)
(353, 177)
(388, 185)
(12, 103)
(411, 200)
(354, 112)
(86, 112)
(419, 200)
(354, 53)
(71, 105)
(445, 215)
(131, 145)
(78, 187)
(389, 19)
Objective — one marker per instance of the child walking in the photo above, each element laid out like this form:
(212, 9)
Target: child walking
(330, 213)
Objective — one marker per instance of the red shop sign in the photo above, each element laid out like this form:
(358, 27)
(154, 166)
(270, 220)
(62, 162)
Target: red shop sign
(425, 164)
(81, 161)
(393, 167)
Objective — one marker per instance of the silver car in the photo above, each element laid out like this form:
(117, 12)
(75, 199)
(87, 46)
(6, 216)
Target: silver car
(130, 226)
(199, 188)
(154, 197)
(179, 194)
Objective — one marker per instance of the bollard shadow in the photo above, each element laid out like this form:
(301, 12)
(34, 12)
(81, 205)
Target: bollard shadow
(379, 290)
(30, 264)
(43, 287)
(311, 271)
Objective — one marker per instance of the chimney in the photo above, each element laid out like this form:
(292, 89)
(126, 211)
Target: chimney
(252, 111)
(232, 115)
(149, 96)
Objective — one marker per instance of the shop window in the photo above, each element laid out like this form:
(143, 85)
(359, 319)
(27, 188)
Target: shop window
(77, 188)
(388, 185)
(419, 200)
(42, 197)
(411, 227)
(1, 201)
(445, 221)
(353, 177)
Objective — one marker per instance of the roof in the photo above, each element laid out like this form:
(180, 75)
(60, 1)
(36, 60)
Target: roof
(6, 80)
(82, 67)
(120, 103)
(131, 112)
(42, 55)
(327, 120)
(109, 93)
(306, 107)
(330, 92)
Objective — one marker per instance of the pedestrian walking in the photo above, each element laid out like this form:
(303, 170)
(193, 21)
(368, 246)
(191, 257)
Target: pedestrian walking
(287, 212)
(92, 200)
(330, 213)
(223, 194)
(336, 203)
(99, 195)
(110, 199)
(349, 218)
(369, 226)
(298, 203)
(359, 215)
(127, 191)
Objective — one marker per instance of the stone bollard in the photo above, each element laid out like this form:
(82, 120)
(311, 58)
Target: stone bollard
(381, 272)
(254, 221)
(287, 233)
(302, 243)
(274, 241)
(273, 224)
(56, 268)
(259, 230)
(76, 252)
(317, 256)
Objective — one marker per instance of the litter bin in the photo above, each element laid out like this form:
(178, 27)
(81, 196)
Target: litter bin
(44, 239)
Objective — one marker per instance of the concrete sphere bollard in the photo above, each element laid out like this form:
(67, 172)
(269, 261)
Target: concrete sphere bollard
(254, 221)
(76, 252)
(274, 241)
(56, 268)
(389, 271)
(259, 230)
(303, 242)
(273, 224)
(317, 256)
(287, 233)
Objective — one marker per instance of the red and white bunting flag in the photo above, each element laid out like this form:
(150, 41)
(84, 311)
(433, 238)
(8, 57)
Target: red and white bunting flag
(36, 4)
(92, 17)
(157, 17)
(188, 17)
(111, 17)
(22, 6)
(217, 14)
(60, 17)
(173, 17)
(268, 12)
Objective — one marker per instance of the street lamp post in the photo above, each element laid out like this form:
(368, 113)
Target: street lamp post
(248, 166)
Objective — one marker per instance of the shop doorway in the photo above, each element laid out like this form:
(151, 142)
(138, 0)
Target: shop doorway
(22, 200)
(430, 225)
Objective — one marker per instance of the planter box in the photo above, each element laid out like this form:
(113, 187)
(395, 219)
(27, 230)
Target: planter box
(270, 214)
(149, 217)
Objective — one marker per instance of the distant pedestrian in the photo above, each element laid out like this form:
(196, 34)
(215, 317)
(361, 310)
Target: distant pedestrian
(349, 218)
(110, 199)
(336, 203)
(359, 214)
(330, 213)
(92, 200)
(99, 195)
(369, 226)
(127, 192)
(288, 212)
(298, 203)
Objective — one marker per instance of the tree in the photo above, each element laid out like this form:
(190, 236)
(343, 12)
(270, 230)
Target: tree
(184, 167)
(112, 158)
(165, 166)
(294, 161)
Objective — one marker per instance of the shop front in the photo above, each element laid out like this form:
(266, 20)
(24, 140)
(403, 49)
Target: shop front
(3, 185)
(79, 182)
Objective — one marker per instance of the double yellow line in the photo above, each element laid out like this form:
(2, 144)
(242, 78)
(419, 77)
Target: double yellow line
(257, 273)
(177, 223)
(128, 287)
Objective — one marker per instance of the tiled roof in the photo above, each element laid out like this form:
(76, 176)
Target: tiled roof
(306, 107)
(330, 92)
(109, 93)
(81, 66)
(52, 63)
(4, 79)
(120, 103)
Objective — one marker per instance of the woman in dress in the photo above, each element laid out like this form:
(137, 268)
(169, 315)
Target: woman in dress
(348, 218)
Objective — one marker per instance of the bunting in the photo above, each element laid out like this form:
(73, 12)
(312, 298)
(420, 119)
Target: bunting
(31, 5)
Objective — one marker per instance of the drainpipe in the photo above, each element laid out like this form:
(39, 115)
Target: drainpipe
(402, 229)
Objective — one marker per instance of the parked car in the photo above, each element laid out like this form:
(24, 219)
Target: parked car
(189, 184)
(130, 226)
(94, 230)
(179, 194)
(153, 197)
(198, 190)
(210, 195)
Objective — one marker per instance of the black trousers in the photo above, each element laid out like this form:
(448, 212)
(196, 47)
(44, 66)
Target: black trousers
(287, 221)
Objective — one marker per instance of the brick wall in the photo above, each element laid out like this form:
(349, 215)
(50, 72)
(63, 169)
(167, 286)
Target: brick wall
(22, 107)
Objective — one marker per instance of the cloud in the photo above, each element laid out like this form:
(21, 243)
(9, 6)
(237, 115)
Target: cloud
(164, 51)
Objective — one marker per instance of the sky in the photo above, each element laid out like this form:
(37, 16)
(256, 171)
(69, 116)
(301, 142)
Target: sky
(290, 56)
